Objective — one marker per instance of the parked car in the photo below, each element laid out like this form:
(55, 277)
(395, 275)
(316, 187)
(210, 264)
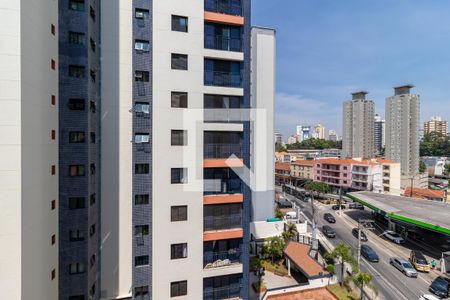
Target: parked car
(404, 266)
(291, 215)
(284, 203)
(336, 207)
(369, 253)
(363, 235)
(356, 205)
(419, 261)
(440, 287)
(329, 218)
(428, 297)
(328, 231)
(393, 236)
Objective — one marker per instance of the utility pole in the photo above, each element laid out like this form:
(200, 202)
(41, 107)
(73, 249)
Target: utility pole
(412, 186)
(340, 200)
(361, 224)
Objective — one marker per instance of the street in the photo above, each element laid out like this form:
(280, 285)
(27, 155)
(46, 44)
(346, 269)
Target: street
(391, 283)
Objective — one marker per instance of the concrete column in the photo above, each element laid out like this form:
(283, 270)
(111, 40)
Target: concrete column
(289, 267)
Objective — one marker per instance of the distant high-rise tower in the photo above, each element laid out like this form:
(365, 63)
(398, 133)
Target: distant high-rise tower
(358, 127)
(379, 128)
(402, 129)
(436, 124)
(319, 131)
(332, 135)
(304, 133)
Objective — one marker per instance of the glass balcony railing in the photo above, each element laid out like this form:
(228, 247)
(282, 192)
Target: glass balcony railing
(223, 79)
(226, 292)
(213, 151)
(229, 7)
(220, 42)
(213, 223)
(223, 115)
(222, 186)
(222, 258)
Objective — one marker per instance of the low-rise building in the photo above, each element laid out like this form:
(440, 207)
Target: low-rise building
(315, 153)
(435, 164)
(428, 194)
(302, 170)
(282, 173)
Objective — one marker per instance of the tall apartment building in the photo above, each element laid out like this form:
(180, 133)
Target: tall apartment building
(150, 145)
(319, 131)
(436, 124)
(332, 135)
(402, 129)
(278, 138)
(304, 133)
(379, 134)
(358, 127)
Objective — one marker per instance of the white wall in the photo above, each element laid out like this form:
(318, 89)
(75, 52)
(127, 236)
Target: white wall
(27, 151)
(116, 149)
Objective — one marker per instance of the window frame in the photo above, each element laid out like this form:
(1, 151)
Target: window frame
(77, 104)
(179, 61)
(77, 137)
(178, 213)
(178, 251)
(76, 203)
(182, 175)
(79, 172)
(180, 97)
(141, 199)
(178, 140)
(144, 171)
(176, 24)
(178, 288)
(145, 260)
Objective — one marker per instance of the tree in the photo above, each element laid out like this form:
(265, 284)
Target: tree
(362, 279)
(422, 167)
(447, 169)
(290, 232)
(273, 249)
(343, 254)
(280, 148)
(317, 187)
(435, 144)
(314, 143)
(278, 213)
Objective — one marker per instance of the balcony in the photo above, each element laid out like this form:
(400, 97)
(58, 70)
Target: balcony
(222, 186)
(229, 292)
(222, 258)
(229, 7)
(214, 151)
(224, 222)
(223, 79)
(223, 115)
(219, 42)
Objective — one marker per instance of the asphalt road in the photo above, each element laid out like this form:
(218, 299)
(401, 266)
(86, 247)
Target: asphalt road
(391, 283)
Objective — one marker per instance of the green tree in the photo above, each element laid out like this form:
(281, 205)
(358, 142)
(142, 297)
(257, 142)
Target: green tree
(290, 232)
(435, 144)
(422, 167)
(278, 213)
(343, 254)
(314, 143)
(280, 148)
(317, 188)
(447, 169)
(363, 279)
(273, 249)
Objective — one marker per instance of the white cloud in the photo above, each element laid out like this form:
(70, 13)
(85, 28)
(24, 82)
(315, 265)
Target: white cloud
(292, 110)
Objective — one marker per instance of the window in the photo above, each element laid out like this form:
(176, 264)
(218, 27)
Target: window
(53, 274)
(92, 13)
(53, 169)
(53, 29)
(76, 202)
(92, 199)
(178, 175)
(179, 137)
(92, 230)
(76, 71)
(76, 170)
(53, 239)
(141, 168)
(93, 75)
(141, 292)
(76, 268)
(142, 45)
(76, 235)
(92, 290)
(179, 99)
(178, 213)
(76, 38)
(78, 297)
(141, 76)
(92, 135)
(179, 23)
(76, 137)
(76, 5)
(140, 138)
(178, 251)
(53, 100)
(92, 107)
(53, 64)
(142, 107)
(53, 134)
(93, 44)
(53, 204)
(178, 288)
(141, 260)
(140, 230)
(92, 168)
(179, 61)
(141, 199)
(141, 13)
(76, 104)
(92, 260)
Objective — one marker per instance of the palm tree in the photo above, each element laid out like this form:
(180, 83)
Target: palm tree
(342, 253)
(278, 213)
(273, 248)
(290, 232)
(363, 279)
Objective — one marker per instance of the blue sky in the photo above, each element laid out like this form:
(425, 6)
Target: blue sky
(327, 49)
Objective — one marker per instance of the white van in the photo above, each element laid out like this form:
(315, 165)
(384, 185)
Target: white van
(291, 215)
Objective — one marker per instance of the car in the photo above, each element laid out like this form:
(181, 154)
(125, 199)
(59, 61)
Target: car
(336, 207)
(369, 253)
(356, 205)
(440, 287)
(363, 235)
(393, 236)
(284, 203)
(328, 231)
(419, 261)
(404, 266)
(291, 215)
(428, 297)
(329, 218)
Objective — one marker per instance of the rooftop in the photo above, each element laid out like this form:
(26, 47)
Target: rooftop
(299, 255)
(431, 215)
(320, 293)
(424, 193)
(303, 162)
(282, 166)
